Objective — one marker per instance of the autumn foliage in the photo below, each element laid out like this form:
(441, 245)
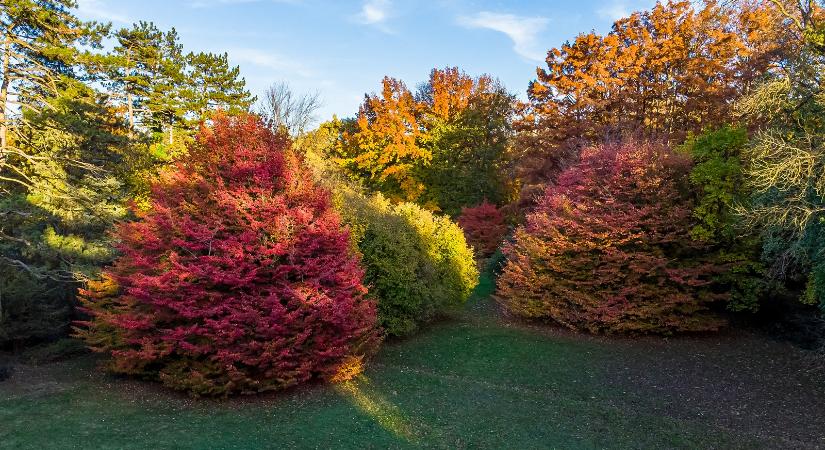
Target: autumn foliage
(660, 73)
(443, 146)
(484, 226)
(381, 147)
(239, 278)
(608, 248)
(417, 264)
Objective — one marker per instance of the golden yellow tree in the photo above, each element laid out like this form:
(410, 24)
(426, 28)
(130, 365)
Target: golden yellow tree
(380, 147)
(440, 147)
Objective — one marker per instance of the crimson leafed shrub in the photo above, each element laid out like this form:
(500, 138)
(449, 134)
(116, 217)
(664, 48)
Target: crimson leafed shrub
(608, 248)
(239, 277)
(484, 227)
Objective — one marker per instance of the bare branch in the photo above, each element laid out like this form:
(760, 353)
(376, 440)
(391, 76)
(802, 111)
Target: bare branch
(283, 109)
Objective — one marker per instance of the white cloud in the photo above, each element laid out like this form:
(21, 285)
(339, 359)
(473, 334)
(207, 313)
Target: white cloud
(376, 13)
(97, 9)
(523, 31)
(269, 60)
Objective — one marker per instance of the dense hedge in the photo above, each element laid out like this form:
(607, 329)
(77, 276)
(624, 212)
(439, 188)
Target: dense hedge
(608, 248)
(239, 277)
(418, 264)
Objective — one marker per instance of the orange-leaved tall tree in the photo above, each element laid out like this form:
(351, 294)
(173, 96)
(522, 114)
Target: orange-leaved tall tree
(468, 122)
(442, 147)
(381, 146)
(657, 74)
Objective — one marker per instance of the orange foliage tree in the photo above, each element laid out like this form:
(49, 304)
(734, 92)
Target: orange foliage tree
(450, 92)
(659, 73)
(381, 146)
(469, 129)
(441, 147)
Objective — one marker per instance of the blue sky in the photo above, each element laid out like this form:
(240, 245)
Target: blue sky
(342, 49)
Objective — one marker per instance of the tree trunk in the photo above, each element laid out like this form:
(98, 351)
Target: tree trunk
(4, 96)
(131, 112)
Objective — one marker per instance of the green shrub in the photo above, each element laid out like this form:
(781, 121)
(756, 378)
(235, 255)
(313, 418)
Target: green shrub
(718, 182)
(417, 264)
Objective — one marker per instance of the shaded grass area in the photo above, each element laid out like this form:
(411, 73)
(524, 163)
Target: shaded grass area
(473, 381)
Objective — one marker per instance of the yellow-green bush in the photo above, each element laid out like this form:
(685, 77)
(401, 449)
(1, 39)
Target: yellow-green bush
(417, 264)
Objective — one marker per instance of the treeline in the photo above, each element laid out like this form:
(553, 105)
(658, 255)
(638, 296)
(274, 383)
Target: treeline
(443, 146)
(657, 174)
(687, 176)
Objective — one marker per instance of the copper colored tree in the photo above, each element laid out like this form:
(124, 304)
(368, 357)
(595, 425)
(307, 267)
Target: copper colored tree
(659, 73)
(608, 248)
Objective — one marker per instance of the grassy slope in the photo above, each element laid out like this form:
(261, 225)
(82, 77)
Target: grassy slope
(468, 382)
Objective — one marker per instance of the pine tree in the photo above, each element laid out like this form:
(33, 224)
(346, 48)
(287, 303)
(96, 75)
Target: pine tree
(38, 49)
(61, 160)
(215, 85)
(167, 97)
(145, 68)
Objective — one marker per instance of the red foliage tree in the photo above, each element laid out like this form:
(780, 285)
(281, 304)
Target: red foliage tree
(239, 278)
(484, 227)
(608, 248)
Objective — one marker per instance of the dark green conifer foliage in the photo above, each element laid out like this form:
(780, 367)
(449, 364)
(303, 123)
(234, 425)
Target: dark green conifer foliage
(216, 85)
(61, 150)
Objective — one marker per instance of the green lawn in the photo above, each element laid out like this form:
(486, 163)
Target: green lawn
(469, 382)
